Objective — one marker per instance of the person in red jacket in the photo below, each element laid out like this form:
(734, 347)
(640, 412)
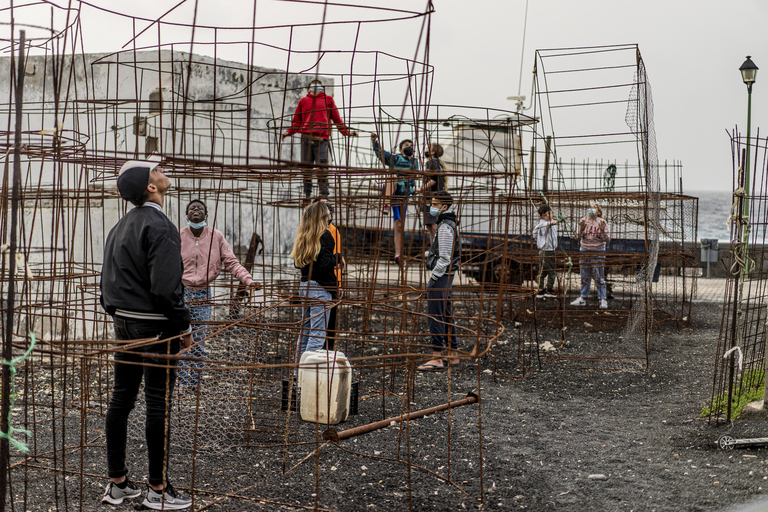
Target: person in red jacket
(312, 120)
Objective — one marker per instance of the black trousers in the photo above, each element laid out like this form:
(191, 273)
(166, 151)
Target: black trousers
(440, 319)
(548, 262)
(330, 331)
(315, 151)
(159, 377)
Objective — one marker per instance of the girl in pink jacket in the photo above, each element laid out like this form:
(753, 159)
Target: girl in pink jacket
(204, 252)
(594, 235)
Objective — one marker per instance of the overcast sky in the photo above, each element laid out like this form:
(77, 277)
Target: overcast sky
(692, 51)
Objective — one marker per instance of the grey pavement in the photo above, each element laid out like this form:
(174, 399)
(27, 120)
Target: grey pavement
(707, 290)
(710, 290)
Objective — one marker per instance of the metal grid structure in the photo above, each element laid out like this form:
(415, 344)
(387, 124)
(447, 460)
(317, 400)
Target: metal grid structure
(216, 123)
(739, 365)
(650, 260)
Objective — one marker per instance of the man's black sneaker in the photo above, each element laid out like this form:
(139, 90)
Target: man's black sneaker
(168, 499)
(550, 293)
(116, 495)
(541, 294)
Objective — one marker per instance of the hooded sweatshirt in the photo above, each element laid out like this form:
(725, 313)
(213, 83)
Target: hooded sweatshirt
(311, 116)
(593, 233)
(446, 246)
(546, 235)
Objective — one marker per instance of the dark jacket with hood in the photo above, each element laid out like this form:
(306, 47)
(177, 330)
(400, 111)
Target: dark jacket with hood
(314, 115)
(445, 251)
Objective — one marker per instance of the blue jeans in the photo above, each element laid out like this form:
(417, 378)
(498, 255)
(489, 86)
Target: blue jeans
(129, 372)
(592, 266)
(200, 310)
(440, 313)
(315, 317)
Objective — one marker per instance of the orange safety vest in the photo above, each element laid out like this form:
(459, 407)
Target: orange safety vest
(336, 247)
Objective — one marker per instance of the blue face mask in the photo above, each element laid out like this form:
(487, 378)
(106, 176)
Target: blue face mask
(434, 211)
(196, 225)
(316, 88)
(592, 212)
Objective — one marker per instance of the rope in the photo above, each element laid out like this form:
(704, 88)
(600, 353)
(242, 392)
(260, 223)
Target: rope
(737, 349)
(741, 260)
(12, 368)
(737, 194)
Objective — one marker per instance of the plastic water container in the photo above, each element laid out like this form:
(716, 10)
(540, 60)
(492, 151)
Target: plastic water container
(325, 378)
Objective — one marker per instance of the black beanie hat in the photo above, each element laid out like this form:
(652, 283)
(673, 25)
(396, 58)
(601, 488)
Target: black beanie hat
(133, 180)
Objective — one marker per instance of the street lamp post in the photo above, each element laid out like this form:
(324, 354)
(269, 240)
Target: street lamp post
(748, 74)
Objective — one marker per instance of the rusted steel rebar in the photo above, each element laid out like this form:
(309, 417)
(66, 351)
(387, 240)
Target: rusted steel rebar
(332, 434)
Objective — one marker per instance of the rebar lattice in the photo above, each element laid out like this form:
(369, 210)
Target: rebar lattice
(217, 124)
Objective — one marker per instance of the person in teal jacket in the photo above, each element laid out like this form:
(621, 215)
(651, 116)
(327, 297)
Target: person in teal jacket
(398, 190)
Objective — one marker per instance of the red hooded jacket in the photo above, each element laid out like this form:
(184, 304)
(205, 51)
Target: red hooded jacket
(311, 117)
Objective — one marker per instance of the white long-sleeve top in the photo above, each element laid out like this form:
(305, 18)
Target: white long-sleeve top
(546, 235)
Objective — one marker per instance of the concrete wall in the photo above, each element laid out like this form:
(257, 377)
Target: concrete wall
(113, 106)
(109, 108)
(757, 252)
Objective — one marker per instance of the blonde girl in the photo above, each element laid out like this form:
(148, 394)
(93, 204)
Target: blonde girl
(313, 254)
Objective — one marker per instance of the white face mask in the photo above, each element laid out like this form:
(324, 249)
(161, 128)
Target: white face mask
(434, 211)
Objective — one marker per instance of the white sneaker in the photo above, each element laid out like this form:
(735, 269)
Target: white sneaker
(168, 499)
(579, 302)
(603, 304)
(116, 495)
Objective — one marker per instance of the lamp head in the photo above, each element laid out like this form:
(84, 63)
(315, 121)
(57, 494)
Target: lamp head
(748, 71)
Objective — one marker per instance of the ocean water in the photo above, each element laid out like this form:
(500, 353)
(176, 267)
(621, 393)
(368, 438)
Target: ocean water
(714, 209)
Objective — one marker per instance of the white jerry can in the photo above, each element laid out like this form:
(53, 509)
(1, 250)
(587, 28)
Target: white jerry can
(325, 379)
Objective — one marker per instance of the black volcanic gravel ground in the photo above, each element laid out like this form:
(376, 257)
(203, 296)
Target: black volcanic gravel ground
(543, 436)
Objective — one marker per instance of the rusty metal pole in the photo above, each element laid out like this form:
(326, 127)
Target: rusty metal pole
(333, 435)
(531, 169)
(737, 273)
(545, 177)
(8, 339)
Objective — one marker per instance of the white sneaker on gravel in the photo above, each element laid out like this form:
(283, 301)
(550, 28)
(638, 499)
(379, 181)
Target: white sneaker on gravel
(168, 499)
(603, 304)
(116, 495)
(579, 302)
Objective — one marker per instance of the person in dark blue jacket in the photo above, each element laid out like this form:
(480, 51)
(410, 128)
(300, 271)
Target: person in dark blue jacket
(141, 289)
(397, 191)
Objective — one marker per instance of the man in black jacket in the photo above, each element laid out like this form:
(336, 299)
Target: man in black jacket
(141, 289)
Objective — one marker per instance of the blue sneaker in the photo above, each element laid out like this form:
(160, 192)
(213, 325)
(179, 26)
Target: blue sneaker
(116, 495)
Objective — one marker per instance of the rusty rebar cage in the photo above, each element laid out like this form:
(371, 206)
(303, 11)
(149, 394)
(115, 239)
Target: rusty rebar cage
(215, 116)
(739, 366)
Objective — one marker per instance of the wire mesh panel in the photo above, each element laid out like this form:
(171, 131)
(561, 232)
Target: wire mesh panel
(739, 365)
